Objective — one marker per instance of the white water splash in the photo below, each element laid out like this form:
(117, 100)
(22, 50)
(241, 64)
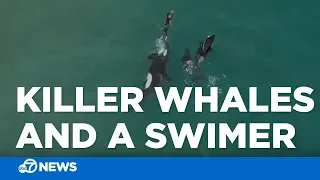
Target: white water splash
(189, 82)
(212, 81)
(188, 67)
(224, 76)
(160, 44)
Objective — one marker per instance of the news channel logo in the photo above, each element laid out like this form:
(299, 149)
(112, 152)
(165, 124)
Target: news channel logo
(30, 166)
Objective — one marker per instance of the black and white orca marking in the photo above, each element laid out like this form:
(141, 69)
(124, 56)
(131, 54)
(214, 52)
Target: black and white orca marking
(204, 48)
(157, 73)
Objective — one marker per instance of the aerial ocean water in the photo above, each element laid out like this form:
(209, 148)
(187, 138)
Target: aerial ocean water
(106, 43)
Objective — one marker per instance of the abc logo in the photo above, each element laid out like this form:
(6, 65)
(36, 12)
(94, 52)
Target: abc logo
(28, 166)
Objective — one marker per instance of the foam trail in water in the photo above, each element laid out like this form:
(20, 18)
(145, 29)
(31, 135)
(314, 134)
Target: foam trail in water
(212, 81)
(188, 69)
(160, 44)
(224, 76)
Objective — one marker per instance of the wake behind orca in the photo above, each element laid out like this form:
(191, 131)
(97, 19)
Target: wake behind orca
(206, 46)
(190, 70)
(187, 63)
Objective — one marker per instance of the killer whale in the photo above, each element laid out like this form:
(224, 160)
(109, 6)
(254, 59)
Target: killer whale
(204, 48)
(157, 72)
(156, 75)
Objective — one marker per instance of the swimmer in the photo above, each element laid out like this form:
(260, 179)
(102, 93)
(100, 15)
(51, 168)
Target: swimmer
(167, 23)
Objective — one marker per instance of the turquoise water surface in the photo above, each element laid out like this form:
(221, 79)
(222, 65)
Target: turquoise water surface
(106, 43)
